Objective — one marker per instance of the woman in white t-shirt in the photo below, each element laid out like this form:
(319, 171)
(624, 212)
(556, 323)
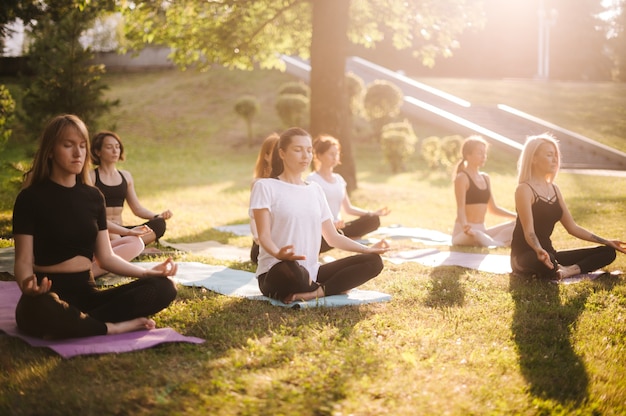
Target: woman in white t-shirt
(291, 217)
(327, 152)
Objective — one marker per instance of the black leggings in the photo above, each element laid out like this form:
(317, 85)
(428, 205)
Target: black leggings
(288, 277)
(76, 308)
(588, 259)
(158, 225)
(357, 228)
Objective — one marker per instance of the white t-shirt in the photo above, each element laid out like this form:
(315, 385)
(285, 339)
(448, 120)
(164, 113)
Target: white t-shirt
(335, 192)
(296, 216)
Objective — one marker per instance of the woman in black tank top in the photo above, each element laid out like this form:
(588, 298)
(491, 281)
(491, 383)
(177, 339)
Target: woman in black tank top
(540, 206)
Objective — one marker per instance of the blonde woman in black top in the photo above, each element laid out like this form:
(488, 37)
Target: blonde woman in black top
(472, 190)
(540, 206)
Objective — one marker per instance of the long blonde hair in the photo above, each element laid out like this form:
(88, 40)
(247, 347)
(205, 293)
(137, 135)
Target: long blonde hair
(53, 132)
(525, 162)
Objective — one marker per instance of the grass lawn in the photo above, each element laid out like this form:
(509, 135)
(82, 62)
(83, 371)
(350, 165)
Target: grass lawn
(451, 341)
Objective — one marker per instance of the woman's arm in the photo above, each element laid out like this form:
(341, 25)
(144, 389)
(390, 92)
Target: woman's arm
(334, 239)
(494, 208)
(134, 204)
(138, 231)
(110, 261)
(567, 220)
(461, 185)
(23, 268)
(359, 212)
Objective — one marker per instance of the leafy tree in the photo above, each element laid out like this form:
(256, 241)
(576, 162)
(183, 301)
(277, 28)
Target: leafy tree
(246, 34)
(65, 80)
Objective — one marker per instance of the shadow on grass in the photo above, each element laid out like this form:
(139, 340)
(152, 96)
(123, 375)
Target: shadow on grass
(244, 339)
(542, 329)
(445, 288)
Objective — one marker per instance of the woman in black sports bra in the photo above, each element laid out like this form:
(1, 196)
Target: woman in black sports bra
(118, 186)
(474, 200)
(540, 206)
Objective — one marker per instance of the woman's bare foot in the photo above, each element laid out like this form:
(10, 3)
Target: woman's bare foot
(568, 271)
(130, 326)
(304, 296)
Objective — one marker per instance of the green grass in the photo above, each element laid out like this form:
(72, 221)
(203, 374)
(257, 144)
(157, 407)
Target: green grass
(451, 341)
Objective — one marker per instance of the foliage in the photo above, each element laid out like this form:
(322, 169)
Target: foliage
(65, 81)
(295, 87)
(381, 103)
(441, 152)
(355, 87)
(7, 112)
(293, 110)
(247, 107)
(247, 35)
(398, 143)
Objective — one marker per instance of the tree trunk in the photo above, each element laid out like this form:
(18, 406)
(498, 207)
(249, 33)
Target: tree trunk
(330, 112)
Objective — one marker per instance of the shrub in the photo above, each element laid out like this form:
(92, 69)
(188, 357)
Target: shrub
(355, 88)
(430, 151)
(398, 142)
(441, 153)
(295, 87)
(382, 103)
(247, 107)
(293, 109)
(7, 113)
(450, 150)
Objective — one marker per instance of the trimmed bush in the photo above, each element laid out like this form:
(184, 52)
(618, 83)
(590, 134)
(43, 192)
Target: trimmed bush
(295, 87)
(382, 103)
(293, 110)
(247, 107)
(398, 142)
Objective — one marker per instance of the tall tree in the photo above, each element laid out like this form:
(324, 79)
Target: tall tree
(248, 33)
(65, 80)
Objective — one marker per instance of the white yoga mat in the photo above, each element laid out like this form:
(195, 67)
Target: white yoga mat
(237, 229)
(240, 283)
(422, 235)
(212, 249)
(491, 263)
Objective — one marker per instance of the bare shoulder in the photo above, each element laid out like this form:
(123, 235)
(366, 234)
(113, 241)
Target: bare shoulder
(126, 174)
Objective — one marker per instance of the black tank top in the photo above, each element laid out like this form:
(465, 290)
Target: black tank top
(474, 194)
(114, 196)
(546, 213)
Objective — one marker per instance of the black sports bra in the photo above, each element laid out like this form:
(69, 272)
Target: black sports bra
(114, 196)
(474, 194)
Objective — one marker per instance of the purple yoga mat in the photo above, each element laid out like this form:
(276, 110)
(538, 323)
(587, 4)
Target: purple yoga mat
(67, 348)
